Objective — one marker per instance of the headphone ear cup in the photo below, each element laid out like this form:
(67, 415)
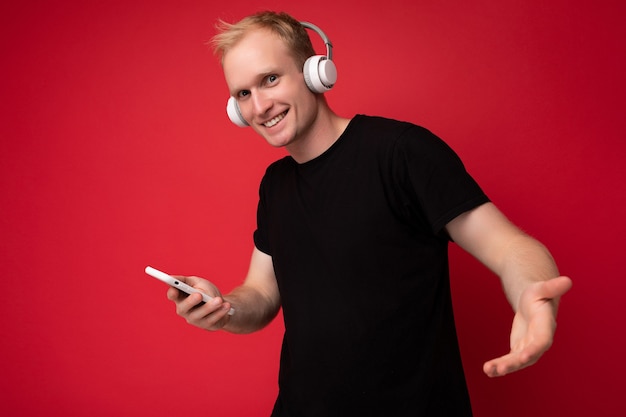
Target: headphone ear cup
(320, 73)
(234, 114)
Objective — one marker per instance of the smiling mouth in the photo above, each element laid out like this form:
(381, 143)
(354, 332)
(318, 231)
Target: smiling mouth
(275, 120)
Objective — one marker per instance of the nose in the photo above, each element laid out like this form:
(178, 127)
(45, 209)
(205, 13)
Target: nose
(261, 103)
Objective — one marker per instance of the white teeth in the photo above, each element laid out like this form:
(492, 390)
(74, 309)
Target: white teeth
(275, 120)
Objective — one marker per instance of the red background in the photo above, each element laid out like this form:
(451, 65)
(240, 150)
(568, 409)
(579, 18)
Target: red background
(116, 153)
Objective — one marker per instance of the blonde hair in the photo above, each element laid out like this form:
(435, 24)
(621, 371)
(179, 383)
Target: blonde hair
(286, 27)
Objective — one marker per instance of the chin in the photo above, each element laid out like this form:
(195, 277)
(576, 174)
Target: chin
(279, 140)
(277, 143)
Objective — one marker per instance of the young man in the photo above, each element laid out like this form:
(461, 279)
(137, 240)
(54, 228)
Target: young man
(351, 242)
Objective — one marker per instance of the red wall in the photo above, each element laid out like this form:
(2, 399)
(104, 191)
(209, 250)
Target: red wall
(116, 153)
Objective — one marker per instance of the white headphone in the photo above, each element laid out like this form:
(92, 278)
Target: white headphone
(320, 75)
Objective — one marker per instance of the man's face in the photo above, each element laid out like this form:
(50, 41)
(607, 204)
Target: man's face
(269, 87)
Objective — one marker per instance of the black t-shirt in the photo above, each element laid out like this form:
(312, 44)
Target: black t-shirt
(359, 250)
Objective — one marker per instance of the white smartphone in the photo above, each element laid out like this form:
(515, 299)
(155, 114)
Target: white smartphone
(170, 280)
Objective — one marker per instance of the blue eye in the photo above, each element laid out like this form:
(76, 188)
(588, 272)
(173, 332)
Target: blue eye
(243, 93)
(272, 78)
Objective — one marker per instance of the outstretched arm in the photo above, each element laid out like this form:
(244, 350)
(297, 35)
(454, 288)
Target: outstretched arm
(256, 301)
(529, 277)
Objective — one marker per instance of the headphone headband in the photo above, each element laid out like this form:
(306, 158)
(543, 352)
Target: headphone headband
(327, 42)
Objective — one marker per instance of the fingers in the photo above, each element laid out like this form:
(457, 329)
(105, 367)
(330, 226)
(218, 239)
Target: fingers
(542, 292)
(556, 287)
(496, 367)
(174, 295)
(512, 362)
(212, 315)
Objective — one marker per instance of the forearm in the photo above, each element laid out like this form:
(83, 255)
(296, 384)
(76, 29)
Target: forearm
(253, 310)
(524, 262)
(518, 259)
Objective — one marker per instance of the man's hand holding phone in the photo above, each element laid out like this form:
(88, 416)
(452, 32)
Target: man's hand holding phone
(197, 300)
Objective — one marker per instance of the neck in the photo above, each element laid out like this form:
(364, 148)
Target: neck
(322, 134)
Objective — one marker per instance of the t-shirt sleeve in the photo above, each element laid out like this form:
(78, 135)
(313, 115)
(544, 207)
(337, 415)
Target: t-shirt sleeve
(434, 183)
